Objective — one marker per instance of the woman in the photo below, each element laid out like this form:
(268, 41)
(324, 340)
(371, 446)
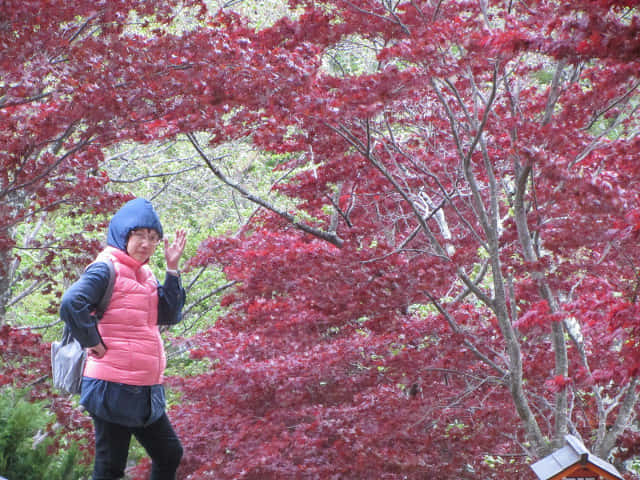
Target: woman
(122, 383)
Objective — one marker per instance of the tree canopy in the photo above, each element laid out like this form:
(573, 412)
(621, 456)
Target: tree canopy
(447, 281)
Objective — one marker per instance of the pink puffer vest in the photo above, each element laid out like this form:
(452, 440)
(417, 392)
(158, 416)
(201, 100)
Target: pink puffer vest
(129, 327)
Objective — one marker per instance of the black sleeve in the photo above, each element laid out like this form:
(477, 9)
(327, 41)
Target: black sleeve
(81, 299)
(171, 298)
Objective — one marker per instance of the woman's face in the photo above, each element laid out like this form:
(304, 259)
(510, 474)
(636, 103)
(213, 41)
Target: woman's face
(142, 243)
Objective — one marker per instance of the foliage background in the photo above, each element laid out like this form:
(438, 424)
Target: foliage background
(464, 175)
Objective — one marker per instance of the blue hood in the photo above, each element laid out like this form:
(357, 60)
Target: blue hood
(136, 213)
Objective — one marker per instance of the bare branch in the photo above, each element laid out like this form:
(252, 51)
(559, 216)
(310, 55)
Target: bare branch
(327, 236)
(457, 329)
(626, 410)
(40, 327)
(155, 175)
(554, 92)
(212, 293)
(46, 172)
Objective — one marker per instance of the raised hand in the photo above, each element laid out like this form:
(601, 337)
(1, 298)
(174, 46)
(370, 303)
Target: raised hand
(173, 251)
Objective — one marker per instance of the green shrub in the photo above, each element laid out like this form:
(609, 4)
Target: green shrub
(28, 445)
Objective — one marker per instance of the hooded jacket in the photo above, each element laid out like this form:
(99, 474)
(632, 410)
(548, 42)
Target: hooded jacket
(136, 213)
(129, 328)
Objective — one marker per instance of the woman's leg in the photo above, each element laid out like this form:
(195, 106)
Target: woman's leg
(163, 446)
(112, 449)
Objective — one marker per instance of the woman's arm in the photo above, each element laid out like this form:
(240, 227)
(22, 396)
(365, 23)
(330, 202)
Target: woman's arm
(171, 298)
(171, 295)
(81, 299)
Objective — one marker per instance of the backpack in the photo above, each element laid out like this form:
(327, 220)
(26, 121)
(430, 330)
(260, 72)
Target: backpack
(67, 355)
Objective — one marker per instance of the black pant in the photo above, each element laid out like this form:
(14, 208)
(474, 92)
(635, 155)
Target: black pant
(112, 448)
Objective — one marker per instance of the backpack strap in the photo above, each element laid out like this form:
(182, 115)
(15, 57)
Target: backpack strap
(106, 296)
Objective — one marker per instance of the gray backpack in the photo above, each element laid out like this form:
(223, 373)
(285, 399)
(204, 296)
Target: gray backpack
(67, 355)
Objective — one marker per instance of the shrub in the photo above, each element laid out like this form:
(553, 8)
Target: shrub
(30, 449)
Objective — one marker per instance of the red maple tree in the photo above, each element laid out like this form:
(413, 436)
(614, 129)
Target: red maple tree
(457, 287)
(464, 292)
(66, 93)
